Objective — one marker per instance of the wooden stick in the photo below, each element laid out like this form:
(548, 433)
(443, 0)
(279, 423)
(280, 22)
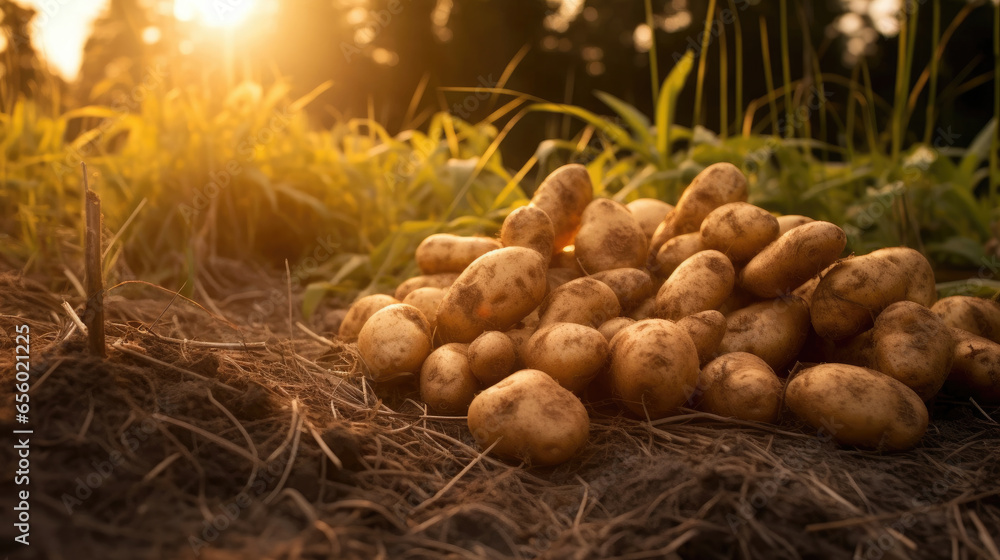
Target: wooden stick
(94, 314)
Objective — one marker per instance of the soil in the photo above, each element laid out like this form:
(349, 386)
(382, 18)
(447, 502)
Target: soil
(270, 443)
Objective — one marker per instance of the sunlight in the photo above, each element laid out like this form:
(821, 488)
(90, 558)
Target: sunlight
(215, 13)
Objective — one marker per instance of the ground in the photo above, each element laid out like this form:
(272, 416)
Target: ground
(275, 446)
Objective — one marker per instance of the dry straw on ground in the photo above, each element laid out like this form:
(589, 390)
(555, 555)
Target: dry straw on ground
(266, 445)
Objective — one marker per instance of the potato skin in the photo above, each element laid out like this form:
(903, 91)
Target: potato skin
(492, 357)
(975, 370)
(563, 195)
(649, 212)
(978, 316)
(791, 221)
(359, 313)
(914, 346)
(654, 367)
(740, 385)
(611, 327)
(706, 330)
(394, 341)
(792, 259)
(539, 421)
(773, 330)
(445, 252)
(529, 226)
(446, 381)
(700, 283)
(674, 252)
(572, 354)
(858, 406)
(427, 300)
(496, 291)
(739, 230)
(853, 291)
(443, 280)
(609, 238)
(717, 184)
(585, 301)
(631, 285)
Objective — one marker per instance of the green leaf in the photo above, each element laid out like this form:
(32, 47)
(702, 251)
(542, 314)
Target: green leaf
(977, 152)
(632, 117)
(666, 105)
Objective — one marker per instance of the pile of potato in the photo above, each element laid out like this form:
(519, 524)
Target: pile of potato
(713, 303)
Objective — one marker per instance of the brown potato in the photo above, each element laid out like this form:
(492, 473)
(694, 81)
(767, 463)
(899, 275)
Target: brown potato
(674, 252)
(858, 406)
(793, 259)
(978, 316)
(706, 330)
(739, 230)
(649, 212)
(394, 341)
(631, 285)
(609, 238)
(645, 310)
(975, 369)
(446, 381)
(492, 357)
(427, 300)
(791, 221)
(562, 196)
(443, 280)
(495, 292)
(717, 184)
(654, 367)
(700, 283)
(585, 301)
(529, 226)
(572, 354)
(740, 385)
(558, 276)
(914, 346)
(611, 327)
(444, 252)
(360, 312)
(534, 419)
(773, 330)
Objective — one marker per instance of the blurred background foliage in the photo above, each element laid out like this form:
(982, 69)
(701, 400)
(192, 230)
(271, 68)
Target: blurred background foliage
(376, 122)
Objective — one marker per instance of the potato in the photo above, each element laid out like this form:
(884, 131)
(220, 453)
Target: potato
(674, 252)
(978, 316)
(585, 301)
(717, 184)
(706, 330)
(529, 226)
(740, 385)
(447, 384)
(654, 367)
(572, 354)
(773, 330)
(739, 230)
(644, 310)
(492, 357)
(611, 327)
(535, 419)
(913, 345)
(443, 280)
(444, 252)
(395, 341)
(858, 406)
(855, 290)
(738, 299)
(556, 277)
(631, 285)
(496, 291)
(649, 212)
(793, 259)
(360, 312)
(609, 238)
(791, 221)
(520, 337)
(562, 196)
(700, 283)
(975, 369)
(427, 300)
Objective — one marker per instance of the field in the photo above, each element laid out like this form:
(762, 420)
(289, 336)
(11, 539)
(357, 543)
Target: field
(229, 421)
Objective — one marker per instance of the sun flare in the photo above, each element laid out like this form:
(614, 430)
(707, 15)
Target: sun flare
(214, 13)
